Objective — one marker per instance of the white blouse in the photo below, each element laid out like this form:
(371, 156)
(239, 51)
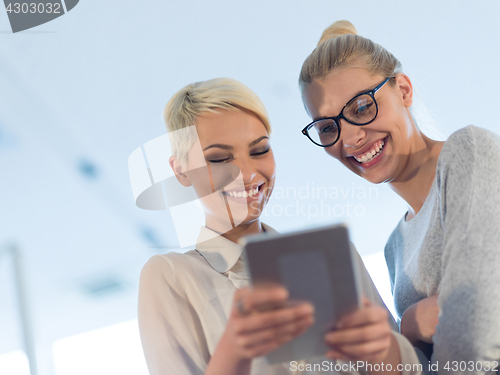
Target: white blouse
(185, 301)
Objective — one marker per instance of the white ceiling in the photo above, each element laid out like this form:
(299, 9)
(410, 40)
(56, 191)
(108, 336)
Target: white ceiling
(79, 94)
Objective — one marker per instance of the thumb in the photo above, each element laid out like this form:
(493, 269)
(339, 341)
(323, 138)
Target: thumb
(365, 302)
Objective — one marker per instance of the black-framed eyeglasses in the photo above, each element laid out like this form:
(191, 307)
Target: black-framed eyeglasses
(360, 110)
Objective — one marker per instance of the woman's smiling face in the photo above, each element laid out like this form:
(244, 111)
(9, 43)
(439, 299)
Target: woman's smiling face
(379, 151)
(233, 142)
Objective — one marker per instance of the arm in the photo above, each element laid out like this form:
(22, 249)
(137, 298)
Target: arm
(173, 339)
(419, 321)
(469, 322)
(257, 332)
(365, 335)
(370, 334)
(171, 334)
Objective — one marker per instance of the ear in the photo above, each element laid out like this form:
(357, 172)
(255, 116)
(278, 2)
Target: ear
(180, 174)
(406, 89)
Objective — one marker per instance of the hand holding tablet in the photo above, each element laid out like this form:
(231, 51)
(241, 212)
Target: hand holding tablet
(363, 335)
(316, 266)
(255, 330)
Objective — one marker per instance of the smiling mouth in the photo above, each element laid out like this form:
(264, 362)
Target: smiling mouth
(244, 194)
(372, 153)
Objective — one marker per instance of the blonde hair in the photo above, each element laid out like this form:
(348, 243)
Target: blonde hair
(339, 46)
(215, 95)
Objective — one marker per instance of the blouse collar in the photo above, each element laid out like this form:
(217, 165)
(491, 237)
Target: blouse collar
(221, 253)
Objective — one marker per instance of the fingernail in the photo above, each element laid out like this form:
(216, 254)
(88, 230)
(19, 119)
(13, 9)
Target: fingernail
(304, 309)
(284, 293)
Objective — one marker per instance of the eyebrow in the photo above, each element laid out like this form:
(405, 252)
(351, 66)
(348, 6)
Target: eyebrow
(352, 97)
(227, 147)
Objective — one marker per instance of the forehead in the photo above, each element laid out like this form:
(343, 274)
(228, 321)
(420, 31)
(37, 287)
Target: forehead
(326, 97)
(229, 127)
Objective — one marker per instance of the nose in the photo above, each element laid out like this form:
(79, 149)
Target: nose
(352, 135)
(247, 168)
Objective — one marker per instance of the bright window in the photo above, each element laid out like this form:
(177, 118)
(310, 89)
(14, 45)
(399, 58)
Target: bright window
(377, 268)
(14, 363)
(110, 350)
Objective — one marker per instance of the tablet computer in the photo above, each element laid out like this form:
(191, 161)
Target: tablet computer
(315, 265)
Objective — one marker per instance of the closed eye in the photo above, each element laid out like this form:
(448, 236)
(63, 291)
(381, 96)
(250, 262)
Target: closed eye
(230, 159)
(219, 160)
(260, 152)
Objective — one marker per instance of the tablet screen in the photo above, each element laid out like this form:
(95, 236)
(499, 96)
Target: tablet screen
(314, 265)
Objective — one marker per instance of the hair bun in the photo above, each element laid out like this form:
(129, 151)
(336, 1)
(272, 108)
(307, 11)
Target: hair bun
(336, 29)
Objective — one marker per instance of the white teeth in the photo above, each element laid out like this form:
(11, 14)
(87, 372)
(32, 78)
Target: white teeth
(370, 155)
(243, 194)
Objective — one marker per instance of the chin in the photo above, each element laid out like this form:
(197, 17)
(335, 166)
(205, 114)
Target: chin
(376, 180)
(252, 215)
(376, 175)
(247, 221)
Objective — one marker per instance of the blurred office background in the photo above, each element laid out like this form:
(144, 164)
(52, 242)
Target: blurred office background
(79, 94)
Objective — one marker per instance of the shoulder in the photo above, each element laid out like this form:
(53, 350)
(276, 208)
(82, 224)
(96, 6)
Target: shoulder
(170, 267)
(167, 261)
(468, 152)
(475, 132)
(395, 240)
(470, 142)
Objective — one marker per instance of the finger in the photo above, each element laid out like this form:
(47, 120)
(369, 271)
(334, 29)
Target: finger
(264, 348)
(265, 298)
(246, 299)
(367, 315)
(358, 334)
(275, 318)
(279, 334)
(367, 350)
(366, 302)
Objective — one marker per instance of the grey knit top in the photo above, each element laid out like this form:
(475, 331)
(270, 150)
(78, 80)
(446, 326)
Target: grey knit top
(452, 247)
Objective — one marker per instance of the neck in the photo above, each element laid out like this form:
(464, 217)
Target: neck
(237, 232)
(416, 180)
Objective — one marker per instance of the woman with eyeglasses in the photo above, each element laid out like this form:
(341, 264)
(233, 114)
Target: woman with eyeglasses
(196, 313)
(444, 255)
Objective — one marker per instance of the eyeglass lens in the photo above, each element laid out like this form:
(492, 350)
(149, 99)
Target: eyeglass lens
(359, 111)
